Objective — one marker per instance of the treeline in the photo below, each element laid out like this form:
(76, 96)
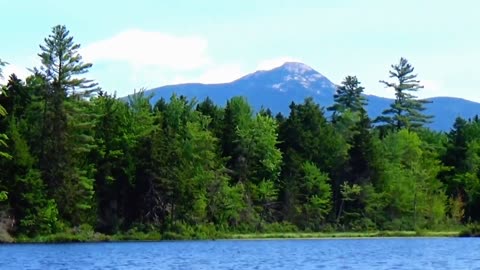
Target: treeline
(74, 155)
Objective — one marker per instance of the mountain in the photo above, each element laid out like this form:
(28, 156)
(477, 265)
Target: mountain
(277, 88)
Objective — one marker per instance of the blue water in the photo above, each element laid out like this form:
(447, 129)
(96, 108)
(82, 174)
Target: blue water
(390, 253)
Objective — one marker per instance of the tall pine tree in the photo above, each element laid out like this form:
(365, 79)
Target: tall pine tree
(3, 137)
(406, 111)
(69, 180)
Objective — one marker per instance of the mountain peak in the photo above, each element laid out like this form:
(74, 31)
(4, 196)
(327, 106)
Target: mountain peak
(290, 76)
(296, 67)
(291, 82)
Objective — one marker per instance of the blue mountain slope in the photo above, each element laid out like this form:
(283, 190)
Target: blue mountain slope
(277, 88)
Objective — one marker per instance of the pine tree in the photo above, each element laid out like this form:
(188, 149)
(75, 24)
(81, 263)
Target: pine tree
(215, 113)
(406, 111)
(238, 114)
(306, 136)
(315, 197)
(35, 212)
(350, 118)
(17, 97)
(3, 137)
(3, 113)
(61, 69)
(113, 159)
(348, 97)
(463, 157)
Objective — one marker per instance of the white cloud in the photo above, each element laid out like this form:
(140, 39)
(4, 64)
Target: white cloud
(222, 74)
(151, 59)
(276, 62)
(432, 88)
(142, 49)
(213, 74)
(155, 58)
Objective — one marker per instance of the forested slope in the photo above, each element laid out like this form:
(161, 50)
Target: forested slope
(73, 155)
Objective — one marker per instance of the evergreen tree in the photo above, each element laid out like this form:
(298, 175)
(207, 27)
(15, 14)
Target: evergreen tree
(463, 157)
(406, 111)
(204, 182)
(315, 197)
(215, 113)
(238, 115)
(258, 143)
(348, 98)
(66, 178)
(3, 137)
(17, 97)
(70, 157)
(350, 119)
(35, 212)
(3, 113)
(114, 163)
(358, 171)
(306, 136)
(361, 153)
(144, 139)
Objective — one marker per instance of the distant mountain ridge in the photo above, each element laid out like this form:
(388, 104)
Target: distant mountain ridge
(278, 87)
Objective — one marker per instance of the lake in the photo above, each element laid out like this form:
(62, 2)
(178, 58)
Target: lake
(370, 253)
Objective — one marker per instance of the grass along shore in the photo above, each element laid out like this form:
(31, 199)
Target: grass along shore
(340, 235)
(156, 236)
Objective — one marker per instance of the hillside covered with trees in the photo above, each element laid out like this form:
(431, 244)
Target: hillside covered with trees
(73, 155)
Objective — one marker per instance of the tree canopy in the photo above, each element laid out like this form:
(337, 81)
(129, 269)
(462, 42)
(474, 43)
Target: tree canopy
(74, 157)
(406, 111)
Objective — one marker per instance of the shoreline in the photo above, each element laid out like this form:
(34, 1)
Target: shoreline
(345, 235)
(156, 237)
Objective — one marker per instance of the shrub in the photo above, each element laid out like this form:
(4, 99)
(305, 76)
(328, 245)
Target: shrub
(472, 230)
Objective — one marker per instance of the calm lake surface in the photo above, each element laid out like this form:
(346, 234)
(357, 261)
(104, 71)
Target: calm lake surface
(381, 253)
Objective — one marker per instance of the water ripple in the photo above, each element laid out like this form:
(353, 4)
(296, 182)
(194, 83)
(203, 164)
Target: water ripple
(345, 254)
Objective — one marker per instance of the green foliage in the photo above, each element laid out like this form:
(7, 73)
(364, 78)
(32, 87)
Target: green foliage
(472, 230)
(307, 137)
(409, 178)
(258, 143)
(462, 155)
(238, 114)
(115, 140)
(61, 64)
(215, 113)
(37, 214)
(348, 100)
(349, 193)
(3, 137)
(66, 126)
(81, 233)
(315, 197)
(280, 227)
(406, 111)
(77, 161)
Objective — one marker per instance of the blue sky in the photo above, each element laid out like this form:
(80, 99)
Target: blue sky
(142, 43)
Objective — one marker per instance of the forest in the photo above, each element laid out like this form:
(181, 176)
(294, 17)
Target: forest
(74, 156)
